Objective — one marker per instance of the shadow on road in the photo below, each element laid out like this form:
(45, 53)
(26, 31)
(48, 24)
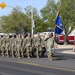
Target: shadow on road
(62, 56)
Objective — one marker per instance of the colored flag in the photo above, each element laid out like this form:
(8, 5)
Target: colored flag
(59, 27)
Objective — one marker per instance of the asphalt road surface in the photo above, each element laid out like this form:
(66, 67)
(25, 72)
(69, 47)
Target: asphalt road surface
(12, 68)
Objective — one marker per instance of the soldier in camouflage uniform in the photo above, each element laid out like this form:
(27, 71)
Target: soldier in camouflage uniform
(13, 43)
(43, 45)
(0, 44)
(28, 45)
(3, 45)
(23, 49)
(50, 46)
(38, 42)
(7, 42)
(33, 45)
(18, 45)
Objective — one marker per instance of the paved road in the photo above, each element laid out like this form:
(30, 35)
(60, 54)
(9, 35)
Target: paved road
(12, 68)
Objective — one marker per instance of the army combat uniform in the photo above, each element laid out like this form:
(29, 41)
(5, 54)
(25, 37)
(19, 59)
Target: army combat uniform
(7, 42)
(18, 45)
(33, 43)
(13, 44)
(28, 46)
(23, 48)
(50, 47)
(38, 45)
(43, 44)
(0, 45)
(3, 45)
(49, 50)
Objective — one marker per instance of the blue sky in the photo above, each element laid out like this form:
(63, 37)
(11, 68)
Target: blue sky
(22, 3)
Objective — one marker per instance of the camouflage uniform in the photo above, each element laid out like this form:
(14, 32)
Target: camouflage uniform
(18, 45)
(43, 45)
(0, 45)
(13, 43)
(7, 42)
(33, 41)
(50, 46)
(28, 45)
(38, 44)
(3, 45)
(23, 49)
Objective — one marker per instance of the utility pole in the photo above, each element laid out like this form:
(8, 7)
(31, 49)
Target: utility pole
(32, 31)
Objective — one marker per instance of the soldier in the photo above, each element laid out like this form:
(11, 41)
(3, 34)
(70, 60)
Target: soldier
(38, 44)
(50, 45)
(33, 45)
(18, 45)
(0, 44)
(43, 45)
(7, 42)
(23, 49)
(13, 43)
(3, 45)
(28, 45)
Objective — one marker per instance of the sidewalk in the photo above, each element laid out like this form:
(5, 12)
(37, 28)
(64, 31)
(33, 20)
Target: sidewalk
(66, 49)
(68, 52)
(65, 46)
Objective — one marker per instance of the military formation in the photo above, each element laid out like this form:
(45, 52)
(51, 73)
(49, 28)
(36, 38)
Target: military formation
(30, 46)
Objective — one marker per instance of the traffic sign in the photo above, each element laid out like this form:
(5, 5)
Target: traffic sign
(2, 5)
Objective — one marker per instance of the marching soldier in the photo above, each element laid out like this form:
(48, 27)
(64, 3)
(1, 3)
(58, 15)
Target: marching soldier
(7, 42)
(13, 43)
(50, 45)
(23, 49)
(33, 45)
(18, 45)
(43, 45)
(3, 45)
(38, 44)
(0, 44)
(28, 45)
